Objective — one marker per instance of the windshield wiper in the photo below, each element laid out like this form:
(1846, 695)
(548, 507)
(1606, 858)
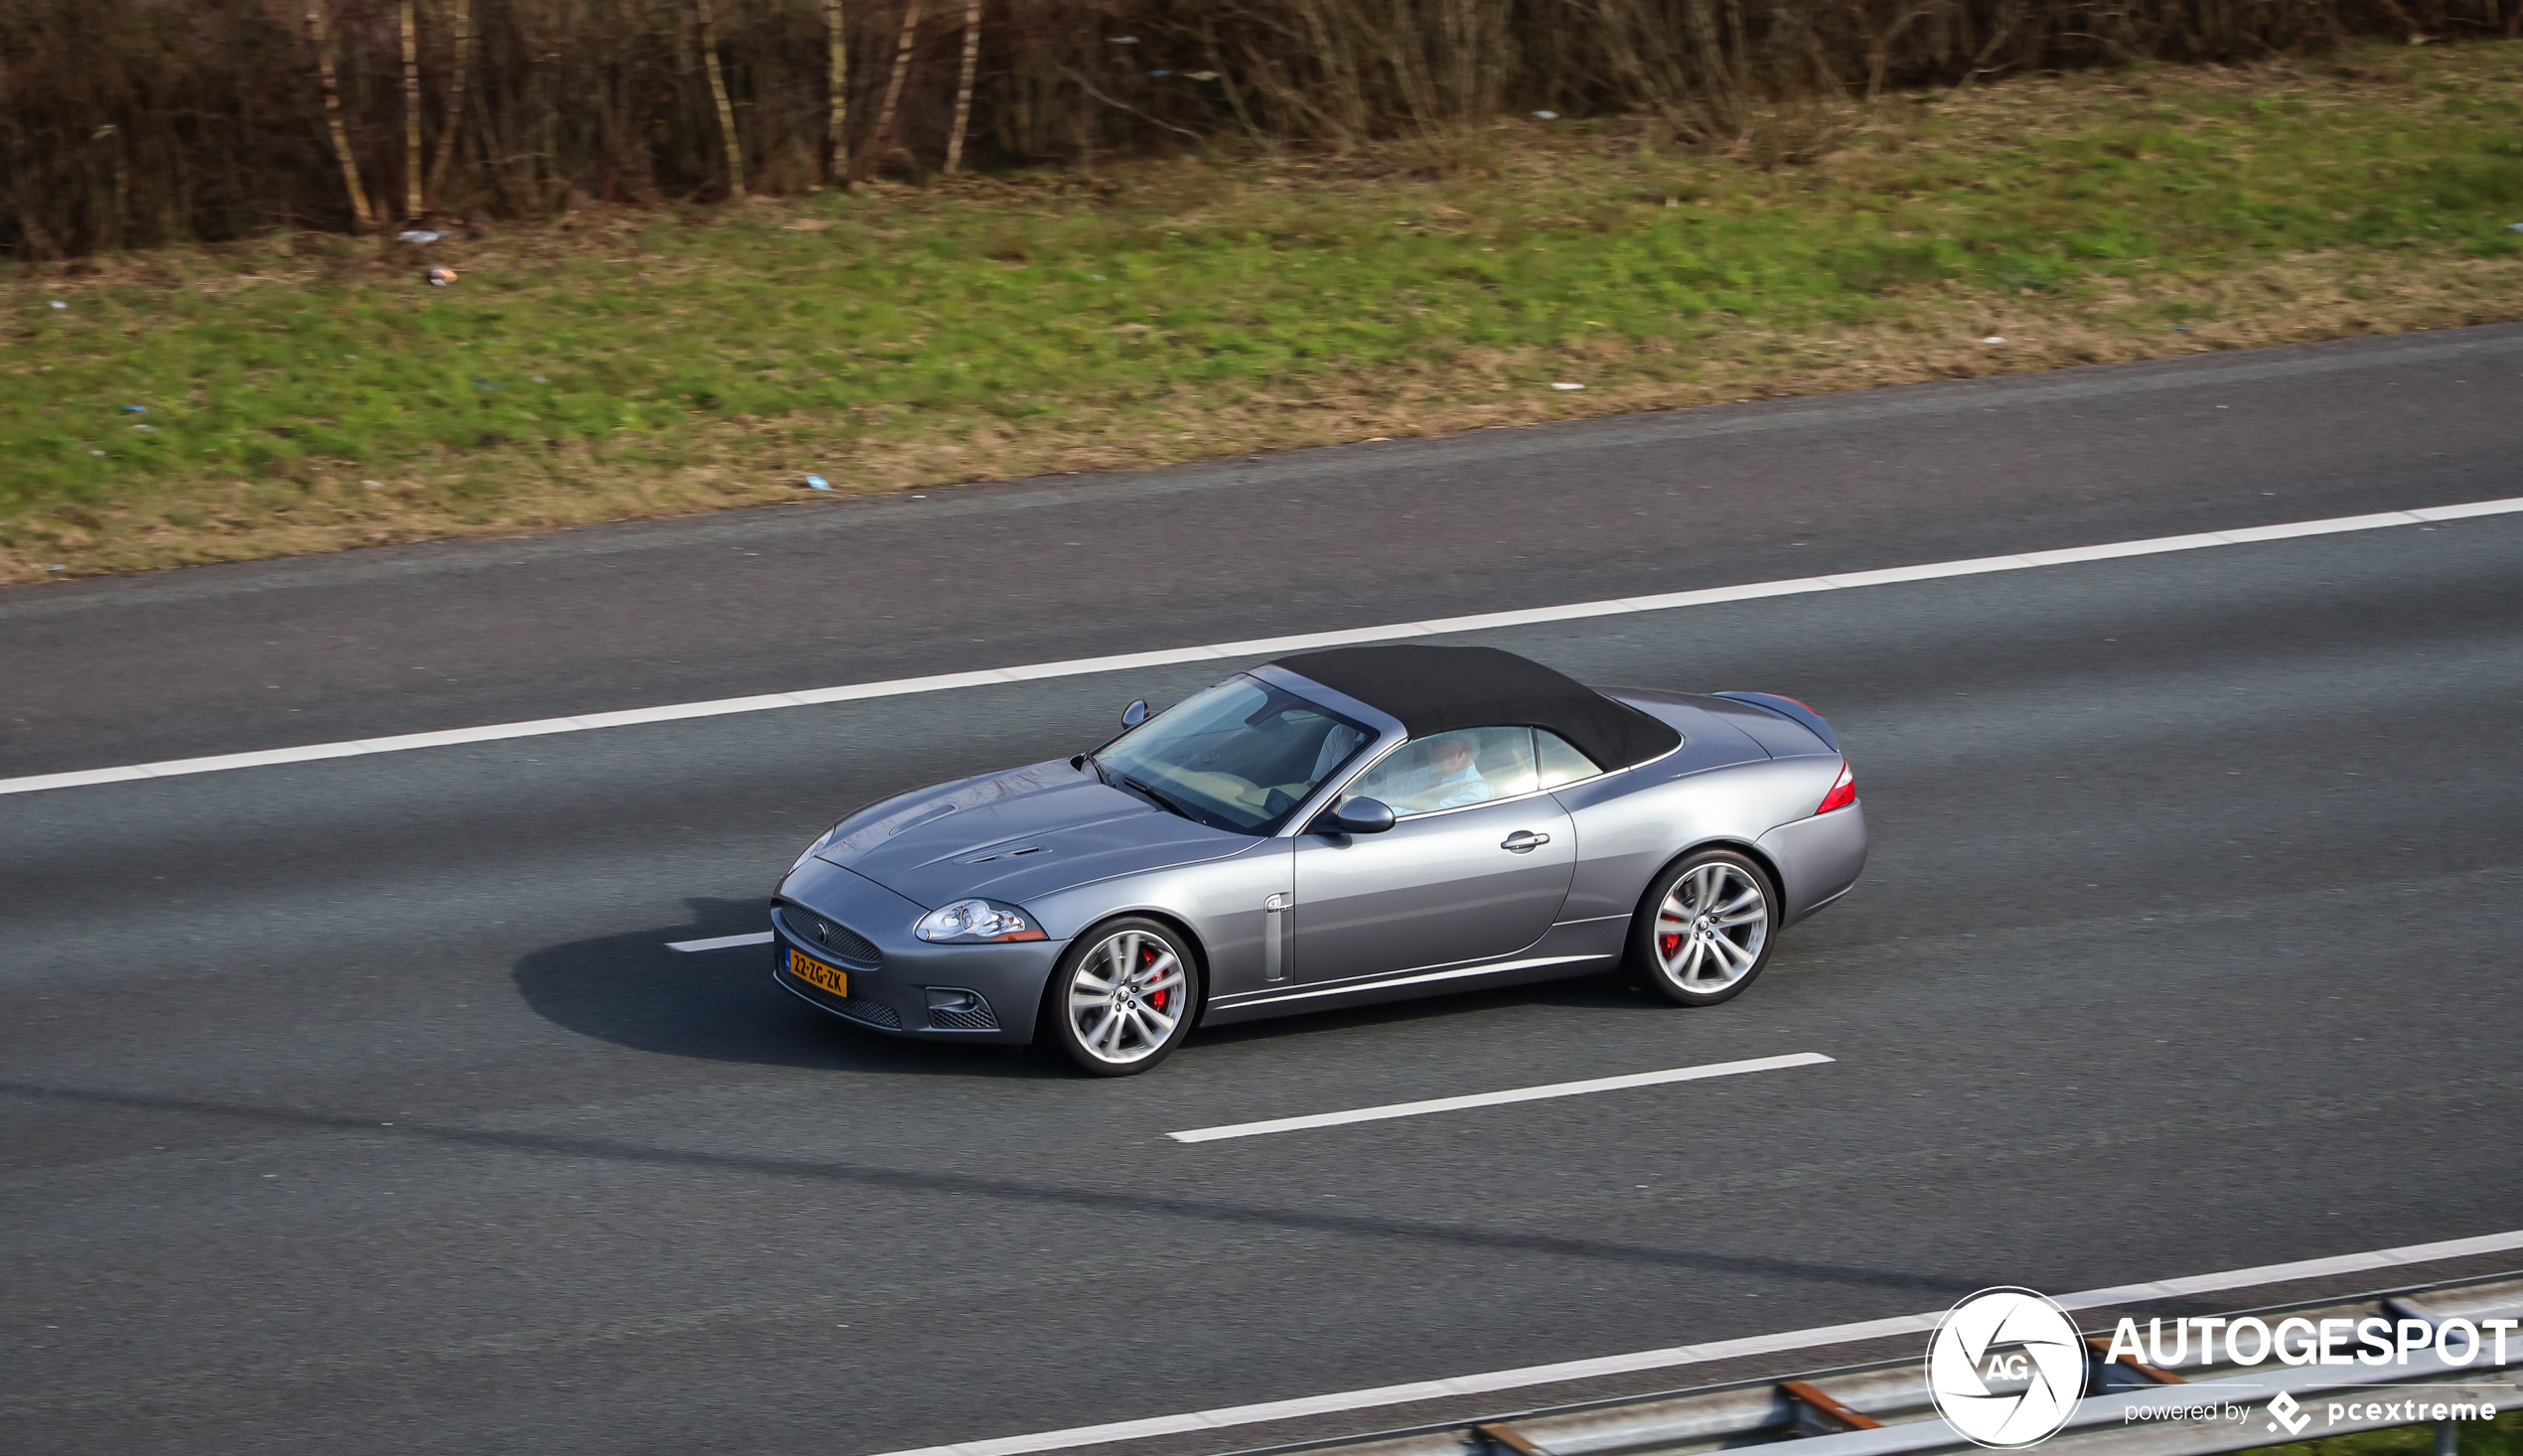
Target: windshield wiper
(1162, 799)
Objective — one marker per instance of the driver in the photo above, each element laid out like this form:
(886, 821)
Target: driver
(1455, 781)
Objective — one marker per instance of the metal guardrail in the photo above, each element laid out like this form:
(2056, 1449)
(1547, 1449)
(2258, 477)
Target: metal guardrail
(2128, 1410)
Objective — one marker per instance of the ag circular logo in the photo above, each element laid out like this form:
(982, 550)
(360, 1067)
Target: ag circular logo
(2006, 1366)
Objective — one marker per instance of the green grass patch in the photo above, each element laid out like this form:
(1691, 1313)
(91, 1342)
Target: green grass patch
(769, 339)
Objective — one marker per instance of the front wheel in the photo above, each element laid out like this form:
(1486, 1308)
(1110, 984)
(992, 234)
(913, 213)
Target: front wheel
(1704, 930)
(1123, 997)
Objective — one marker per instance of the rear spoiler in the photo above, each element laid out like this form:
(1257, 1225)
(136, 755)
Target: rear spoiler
(1788, 707)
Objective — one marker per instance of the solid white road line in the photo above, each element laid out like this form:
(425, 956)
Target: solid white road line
(1496, 1098)
(721, 943)
(1681, 1354)
(1261, 647)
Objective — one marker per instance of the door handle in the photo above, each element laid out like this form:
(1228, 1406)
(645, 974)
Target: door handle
(1524, 841)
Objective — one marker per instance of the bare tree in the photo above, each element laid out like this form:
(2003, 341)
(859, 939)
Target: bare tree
(718, 93)
(362, 218)
(411, 114)
(436, 194)
(893, 87)
(836, 142)
(964, 85)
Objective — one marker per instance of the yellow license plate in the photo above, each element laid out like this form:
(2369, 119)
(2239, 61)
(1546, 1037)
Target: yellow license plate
(816, 973)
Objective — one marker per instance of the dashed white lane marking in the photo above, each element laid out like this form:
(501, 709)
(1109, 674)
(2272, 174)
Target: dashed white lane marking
(1497, 1098)
(1259, 648)
(1680, 1355)
(721, 943)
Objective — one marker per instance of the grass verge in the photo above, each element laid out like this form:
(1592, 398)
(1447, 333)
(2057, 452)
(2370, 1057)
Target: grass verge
(309, 393)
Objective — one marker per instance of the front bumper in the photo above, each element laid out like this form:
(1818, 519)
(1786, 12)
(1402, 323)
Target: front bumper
(900, 984)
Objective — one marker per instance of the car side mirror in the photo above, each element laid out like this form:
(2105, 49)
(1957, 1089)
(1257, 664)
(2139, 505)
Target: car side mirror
(1356, 816)
(1135, 713)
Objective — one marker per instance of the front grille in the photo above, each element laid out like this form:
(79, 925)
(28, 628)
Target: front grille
(866, 1009)
(847, 945)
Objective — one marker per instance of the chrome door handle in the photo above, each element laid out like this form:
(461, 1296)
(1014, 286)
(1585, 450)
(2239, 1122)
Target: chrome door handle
(1524, 841)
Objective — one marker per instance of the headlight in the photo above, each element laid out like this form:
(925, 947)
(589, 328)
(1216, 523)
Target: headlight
(977, 920)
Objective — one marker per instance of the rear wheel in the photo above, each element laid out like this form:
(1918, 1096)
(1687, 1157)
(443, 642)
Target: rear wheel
(1122, 998)
(1706, 929)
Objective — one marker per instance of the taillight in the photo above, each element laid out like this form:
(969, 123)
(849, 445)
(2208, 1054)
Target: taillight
(1843, 792)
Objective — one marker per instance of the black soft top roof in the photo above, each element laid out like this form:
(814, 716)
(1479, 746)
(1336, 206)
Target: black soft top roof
(1432, 690)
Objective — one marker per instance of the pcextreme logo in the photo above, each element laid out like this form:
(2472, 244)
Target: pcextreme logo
(2006, 1365)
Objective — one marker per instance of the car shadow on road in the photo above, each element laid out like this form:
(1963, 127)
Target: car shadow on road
(721, 1005)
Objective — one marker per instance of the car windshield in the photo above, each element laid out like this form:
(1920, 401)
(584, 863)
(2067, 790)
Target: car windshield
(1242, 755)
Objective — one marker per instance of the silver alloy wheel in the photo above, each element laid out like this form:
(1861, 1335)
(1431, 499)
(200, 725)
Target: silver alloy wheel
(1711, 927)
(1125, 997)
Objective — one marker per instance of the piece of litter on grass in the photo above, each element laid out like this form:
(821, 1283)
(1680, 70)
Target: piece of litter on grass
(56, 303)
(418, 235)
(56, 566)
(135, 409)
(1546, 117)
(2181, 328)
(374, 485)
(95, 452)
(1562, 384)
(1995, 339)
(441, 277)
(2510, 227)
(539, 379)
(818, 482)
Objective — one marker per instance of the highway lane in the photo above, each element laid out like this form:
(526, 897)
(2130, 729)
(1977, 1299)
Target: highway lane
(229, 658)
(357, 1103)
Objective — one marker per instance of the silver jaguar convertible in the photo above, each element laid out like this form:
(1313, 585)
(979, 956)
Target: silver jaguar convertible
(1330, 830)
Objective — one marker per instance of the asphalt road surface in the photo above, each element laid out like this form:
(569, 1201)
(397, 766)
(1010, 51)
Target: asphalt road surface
(358, 1106)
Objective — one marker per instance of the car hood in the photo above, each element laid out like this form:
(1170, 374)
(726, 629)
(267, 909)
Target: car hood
(1016, 835)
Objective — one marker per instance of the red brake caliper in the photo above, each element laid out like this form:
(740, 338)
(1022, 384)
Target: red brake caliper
(1159, 998)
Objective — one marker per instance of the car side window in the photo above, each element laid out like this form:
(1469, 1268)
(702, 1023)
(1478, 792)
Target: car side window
(1560, 760)
(1466, 766)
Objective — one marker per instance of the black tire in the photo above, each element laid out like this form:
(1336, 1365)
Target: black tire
(1111, 1026)
(1694, 952)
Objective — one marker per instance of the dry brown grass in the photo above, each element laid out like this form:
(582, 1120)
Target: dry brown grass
(136, 122)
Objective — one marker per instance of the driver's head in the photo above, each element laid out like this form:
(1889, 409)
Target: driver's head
(1454, 755)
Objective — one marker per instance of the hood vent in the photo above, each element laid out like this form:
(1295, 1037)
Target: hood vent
(1002, 854)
